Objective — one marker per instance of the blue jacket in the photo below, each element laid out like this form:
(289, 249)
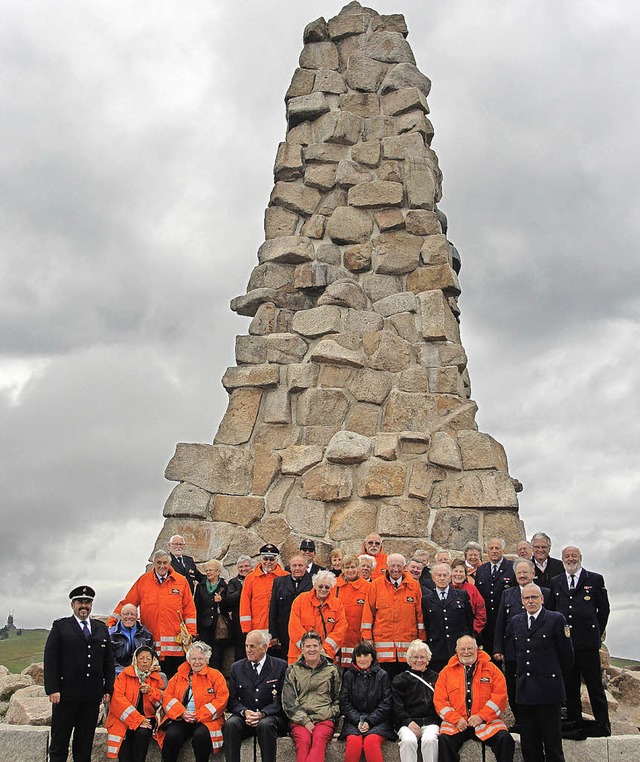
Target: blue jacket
(121, 645)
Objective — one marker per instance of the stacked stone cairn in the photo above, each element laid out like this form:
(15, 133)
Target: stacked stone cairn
(349, 408)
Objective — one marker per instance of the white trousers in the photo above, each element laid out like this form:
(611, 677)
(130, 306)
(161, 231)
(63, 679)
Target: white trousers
(408, 744)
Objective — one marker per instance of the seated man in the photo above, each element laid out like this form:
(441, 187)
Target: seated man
(255, 690)
(470, 696)
(127, 636)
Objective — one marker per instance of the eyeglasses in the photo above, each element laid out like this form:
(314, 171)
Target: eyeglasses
(324, 587)
(372, 542)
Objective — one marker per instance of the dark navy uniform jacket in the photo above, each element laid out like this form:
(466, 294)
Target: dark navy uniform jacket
(187, 567)
(283, 594)
(491, 589)
(445, 621)
(586, 608)
(552, 569)
(541, 655)
(79, 669)
(510, 606)
(259, 693)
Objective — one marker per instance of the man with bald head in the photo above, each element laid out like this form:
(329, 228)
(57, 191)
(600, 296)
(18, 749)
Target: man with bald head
(582, 597)
(392, 615)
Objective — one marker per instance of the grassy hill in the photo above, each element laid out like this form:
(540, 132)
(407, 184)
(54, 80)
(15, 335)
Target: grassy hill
(18, 651)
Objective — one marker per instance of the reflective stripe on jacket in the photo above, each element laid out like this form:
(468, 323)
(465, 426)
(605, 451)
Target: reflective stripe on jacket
(256, 597)
(327, 618)
(353, 596)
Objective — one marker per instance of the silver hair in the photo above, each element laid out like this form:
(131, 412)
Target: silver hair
(264, 635)
(415, 647)
(198, 645)
(244, 558)
(174, 537)
(160, 554)
(324, 575)
(472, 546)
(441, 563)
(415, 560)
(532, 584)
(541, 536)
(398, 555)
(501, 540)
(369, 558)
(526, 561)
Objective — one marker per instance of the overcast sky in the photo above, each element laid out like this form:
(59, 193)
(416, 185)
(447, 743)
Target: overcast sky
(137, 143)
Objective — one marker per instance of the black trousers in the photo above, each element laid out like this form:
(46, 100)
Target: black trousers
(501, 744)
(169, 665)
(541, 733)
(135, 745)
(394, 668)
(178, 732)
(235, 730)
(77, 716)
(208, 636)
(587, 663)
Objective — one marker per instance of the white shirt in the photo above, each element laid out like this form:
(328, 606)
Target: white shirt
(260, 664)
(575, 575)
(79, 621)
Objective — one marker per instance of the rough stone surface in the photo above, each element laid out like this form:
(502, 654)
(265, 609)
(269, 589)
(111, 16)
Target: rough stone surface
(382, 478)
(317, 321)
(215, 468)
(299, 458)
(444, 451)
(376, 194)
(481, 451)
(397, 253)
(330, 351)
(348, 447)
(36, 671)
(237, 425)
(25, 708)
(406, 75)
(327, 482)
(319, 55)
(451, 528)
(10, 683)
(388, 47)
(368, 385)
(348, 225)
(322, 406)
(364, 73)
(344, 293)
(481, 489)
(403, 517)
(238, 510)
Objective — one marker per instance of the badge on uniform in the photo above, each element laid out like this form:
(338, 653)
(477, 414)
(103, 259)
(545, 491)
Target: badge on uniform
(360, 601)
(331, 619)
(211, 690)
(175, 591)
(410, 599)
(485, 679)
(567, 631)
(587, 598)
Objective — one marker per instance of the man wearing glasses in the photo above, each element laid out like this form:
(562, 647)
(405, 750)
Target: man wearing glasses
(546, 567)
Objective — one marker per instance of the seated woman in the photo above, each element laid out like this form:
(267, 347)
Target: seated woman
(194, 703)
(415, 717)
(351, 591)
(137, 694)
(319, 611)
(210, 598)
(310, 699)
(367, 706)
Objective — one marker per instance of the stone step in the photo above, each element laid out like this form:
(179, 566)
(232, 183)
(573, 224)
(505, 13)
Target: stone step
(25, 743)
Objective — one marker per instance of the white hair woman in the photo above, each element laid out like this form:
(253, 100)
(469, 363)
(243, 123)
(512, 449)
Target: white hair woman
(318, 610)
(210, 598)
(414, 715)
(194, 703)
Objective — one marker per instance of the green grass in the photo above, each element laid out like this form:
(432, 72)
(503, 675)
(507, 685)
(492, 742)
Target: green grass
(18, 652)
(624, 663)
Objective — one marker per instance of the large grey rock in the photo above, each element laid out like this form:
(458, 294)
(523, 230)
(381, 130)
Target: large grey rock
(36, 671)
(364, 73)
(348, 447)
(388, 47)
(23, 743)
(26, 707)
(288, 249)
(317, 321)
(405, 75)
(10, 683)
(344, 293)
(349, 225)
(214, 468)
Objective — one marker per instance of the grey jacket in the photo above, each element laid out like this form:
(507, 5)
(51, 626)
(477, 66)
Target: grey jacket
(311, 695)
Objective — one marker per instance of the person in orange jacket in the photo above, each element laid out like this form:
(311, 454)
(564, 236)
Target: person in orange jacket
(392, 615)
(194, 704)
(319, 611)
(470, 695)
(373, 546)
(352, 591)
(129, 729)
(256, 591)
(165, 602)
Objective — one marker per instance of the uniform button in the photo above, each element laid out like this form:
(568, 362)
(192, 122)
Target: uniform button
(87, 674)
(528, 674)
(528, 663)
(552, 675)
(528, 651)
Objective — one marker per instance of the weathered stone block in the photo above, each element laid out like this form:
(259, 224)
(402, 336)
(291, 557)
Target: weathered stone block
(358, 258)
(295, 197)
(503, 524)
(301, 134)
(237, 510)
(311, 275)
(11, 683)
(377, 127)
(414, 379)
(405, 99)
(317, 321)
(367, 153)
(353, 520)
(415, 121)
(377, 286)
(361, 322)
(479, 489)
(288, 249)
(28, 709)
(288, 165)
(329, 253)
(330, 351)
(390, 171)
(345, 25)
(321, 407)
(344, 293)
(316, 31)
(419, 181)
(389, 47)
(397, 253)
(375, 194)
(407, 146)
(443, 353)
(248, 304)
(251, 350)
(215, 468)
(340, 127)
(423, 477)
(333, 200)
(319, 55)
(386, 351)
(435, 250)
(187, 500)
(284, 348)
(445, 380)
(299, 458)
(452, 529)
(369, 385)
(380, 478)
(405, 411)
(301, 83)
(350, 173)
(314, 226)
(329, 153)
(23, 743)
(348, 447)
(277, 407)
(363, 418)
(364, 73)
(362, 104)
(400, 302)
(301, 376)
(424, 222)
(432, 277)
(414, 443)
(251, 375)
(278, 493)
(328, 483)
(306, 516)
(320, 435)
(271, 275)
(320, 176)
(444, 451)
(481, 451)
(405, 75)
(274, 529)
(403, 517)
(329, 81)
(237, 425)
(266, 468)
(334, 376)
(349, 225)
(388, 219)
(386, 446)
(279, 222)
(438, 322)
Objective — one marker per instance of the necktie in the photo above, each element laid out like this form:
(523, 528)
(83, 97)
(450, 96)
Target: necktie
(255, 668)
(572, 586)
(443, 595)
(85, 631)
(531, 621)
(494, 571)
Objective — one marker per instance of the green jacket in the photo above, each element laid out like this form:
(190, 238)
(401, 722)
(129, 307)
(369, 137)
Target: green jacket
(311, 695)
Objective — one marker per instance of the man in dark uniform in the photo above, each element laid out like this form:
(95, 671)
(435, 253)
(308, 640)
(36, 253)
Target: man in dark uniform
(79, 673)
(447, 616)
(283, 593)
(255, 690)
(511, 605)
(543, 650)
(308, 552)
(492, 579)
(582, 597)
(546, 567)
(182, 564)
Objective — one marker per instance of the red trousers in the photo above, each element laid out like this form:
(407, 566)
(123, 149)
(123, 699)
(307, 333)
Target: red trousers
(310, 747)
(371, 745)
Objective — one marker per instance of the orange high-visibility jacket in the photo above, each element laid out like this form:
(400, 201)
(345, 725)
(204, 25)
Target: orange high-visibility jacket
(255, 598)
(123, 714)
(489, 696)
(393, 618)
(381, 562)
(210, 694)
(353, 596)
(326, 617)
(161, 606)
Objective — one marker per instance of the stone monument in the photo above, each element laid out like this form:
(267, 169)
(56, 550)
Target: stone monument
(349, 407)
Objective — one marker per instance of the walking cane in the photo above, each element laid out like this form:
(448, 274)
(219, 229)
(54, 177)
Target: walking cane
(255, 747)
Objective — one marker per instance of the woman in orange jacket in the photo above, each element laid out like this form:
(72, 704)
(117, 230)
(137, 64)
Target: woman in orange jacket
(320, 611)
(194, 703)
(137, 694)
(351, 590)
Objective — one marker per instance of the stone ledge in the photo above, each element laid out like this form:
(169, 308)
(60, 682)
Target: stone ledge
(29, 744)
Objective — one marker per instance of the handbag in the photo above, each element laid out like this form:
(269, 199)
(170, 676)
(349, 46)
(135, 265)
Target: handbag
(223, 627)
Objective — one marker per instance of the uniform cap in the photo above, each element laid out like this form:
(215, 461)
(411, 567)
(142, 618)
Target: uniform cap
(82, 591)
(308, 545)
(269, 550)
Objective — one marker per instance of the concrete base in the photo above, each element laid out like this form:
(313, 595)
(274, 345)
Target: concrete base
(29, 744)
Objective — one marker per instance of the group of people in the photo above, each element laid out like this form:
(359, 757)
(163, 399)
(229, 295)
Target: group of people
(426, 653)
